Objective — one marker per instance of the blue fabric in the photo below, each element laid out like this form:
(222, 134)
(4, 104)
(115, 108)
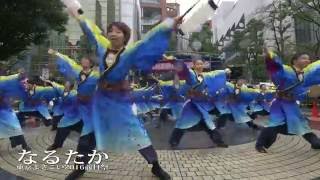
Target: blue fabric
(69, 106)
(10, 87)
(192, 114)
(283, 111)
(117, 128)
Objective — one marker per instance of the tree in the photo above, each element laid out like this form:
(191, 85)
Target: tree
(248, 45)
(205, 37)
(28, 22)
(278, 17)
(307, 13)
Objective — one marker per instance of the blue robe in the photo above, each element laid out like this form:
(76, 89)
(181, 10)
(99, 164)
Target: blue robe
(220, 101)
(68, 104)
(144, 99)
(10, 87)
(197, 109)
(85, 91)
(287, 111)
(263, 101)
(239, 100)
(174, 96)
(116, 127)
(38, 101)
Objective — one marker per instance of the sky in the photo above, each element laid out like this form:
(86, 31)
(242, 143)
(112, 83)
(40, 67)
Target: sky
(186, 4)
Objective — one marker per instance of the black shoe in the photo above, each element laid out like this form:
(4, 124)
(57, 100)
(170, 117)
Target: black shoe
(222, 145)
(261, 149)
(173, 145)
(46, 122)
(159, 172)
(316, 146)
(75, 174)
(53, 147)
(26, 147)
(13, 144)
(256, 127)
(53, 128)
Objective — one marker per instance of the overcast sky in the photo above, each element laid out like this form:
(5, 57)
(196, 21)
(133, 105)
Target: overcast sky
(186, 4)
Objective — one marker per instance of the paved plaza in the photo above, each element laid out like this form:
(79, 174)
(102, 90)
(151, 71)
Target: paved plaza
(289, 158)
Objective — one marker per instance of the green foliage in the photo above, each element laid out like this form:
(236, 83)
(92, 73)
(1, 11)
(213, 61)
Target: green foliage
(28, 22)
(250, 41)
(205, 37)
(278, 15)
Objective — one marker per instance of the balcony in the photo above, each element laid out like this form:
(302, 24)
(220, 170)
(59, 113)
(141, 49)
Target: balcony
(151, 21)
(156, 2)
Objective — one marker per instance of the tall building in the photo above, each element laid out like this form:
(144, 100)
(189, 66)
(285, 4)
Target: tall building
(127, 11)
(172, 9)
(92, 10)
(104, 13)
(152, 12)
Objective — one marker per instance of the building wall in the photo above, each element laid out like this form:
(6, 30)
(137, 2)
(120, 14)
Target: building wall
(152, 12)
(74, 31)
(130, 14)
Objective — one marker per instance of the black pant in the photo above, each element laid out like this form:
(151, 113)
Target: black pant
(18, 140)
(149, 154)
(56, 120)
(21, 117)
(269, 135)
(222, 120)
(177, 133)
(86, 145)
(261, 113)
(63, 133)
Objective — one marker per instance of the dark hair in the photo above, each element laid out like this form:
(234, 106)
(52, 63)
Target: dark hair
(195, 60)
(34, 80)
(297, 56)
(71, 84)
(123, 27)
(90, 58)
(261, 85)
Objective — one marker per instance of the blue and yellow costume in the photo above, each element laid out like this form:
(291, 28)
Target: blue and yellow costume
(285, 114)
(238, 101)
(37, 101)
(196, 110)
(68, 105)
(174, 96)
(10, 87)
(263, 101)
(86, 88)
(116, 127)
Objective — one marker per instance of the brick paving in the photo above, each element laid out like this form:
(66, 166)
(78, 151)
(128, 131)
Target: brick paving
(289, 158)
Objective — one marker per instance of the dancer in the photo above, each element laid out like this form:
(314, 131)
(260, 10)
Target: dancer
(69, 108)
(233, 100)
(116, 127)
(86, 79)
(261, 105)
(12, 86)
(195, 112)
(293, 82)
(36, 101)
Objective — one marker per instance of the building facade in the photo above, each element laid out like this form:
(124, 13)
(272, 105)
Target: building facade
(152, 12)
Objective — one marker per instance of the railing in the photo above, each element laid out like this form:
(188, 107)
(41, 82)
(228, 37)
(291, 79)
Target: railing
(151, 1)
